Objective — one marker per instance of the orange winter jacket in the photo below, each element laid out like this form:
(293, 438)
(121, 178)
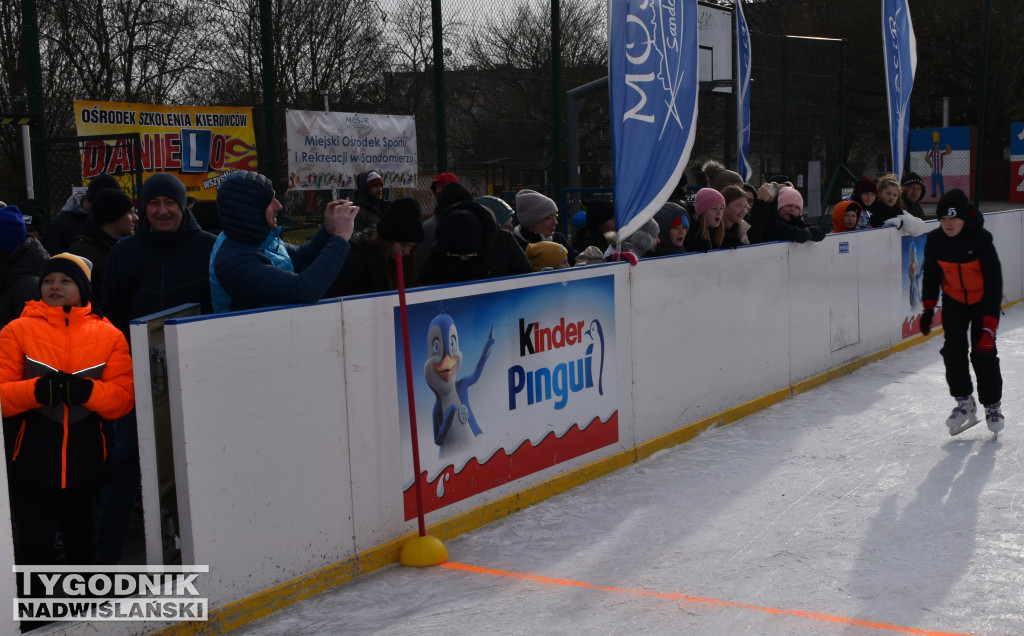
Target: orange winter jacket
(61, 446)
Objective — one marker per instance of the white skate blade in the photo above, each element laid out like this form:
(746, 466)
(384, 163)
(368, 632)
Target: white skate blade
(963, 427)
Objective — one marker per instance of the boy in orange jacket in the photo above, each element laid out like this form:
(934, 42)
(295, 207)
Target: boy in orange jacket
(65, 373)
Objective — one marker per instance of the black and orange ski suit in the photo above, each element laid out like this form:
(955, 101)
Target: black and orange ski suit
(967, 269)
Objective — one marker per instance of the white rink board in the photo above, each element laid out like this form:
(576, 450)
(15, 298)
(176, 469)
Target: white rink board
(286, 474)
(707, 333)
(259, 401)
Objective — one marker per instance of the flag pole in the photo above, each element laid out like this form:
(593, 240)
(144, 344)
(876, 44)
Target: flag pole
(423, 549)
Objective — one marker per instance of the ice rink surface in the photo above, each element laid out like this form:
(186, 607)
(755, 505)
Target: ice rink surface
(844, 510)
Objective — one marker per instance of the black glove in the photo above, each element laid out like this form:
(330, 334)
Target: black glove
(926, 316)
(817, 234)
(50, 388)
(76, 390)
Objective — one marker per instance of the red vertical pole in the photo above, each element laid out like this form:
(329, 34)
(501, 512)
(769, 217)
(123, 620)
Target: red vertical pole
(412, 396)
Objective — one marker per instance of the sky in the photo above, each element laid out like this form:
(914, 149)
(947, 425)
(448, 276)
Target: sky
(845, 510)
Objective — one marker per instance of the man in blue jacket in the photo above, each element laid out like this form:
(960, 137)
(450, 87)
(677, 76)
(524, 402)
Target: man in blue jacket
(252, 267)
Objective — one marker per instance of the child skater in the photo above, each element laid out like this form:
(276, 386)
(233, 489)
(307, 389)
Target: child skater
(959, 256)
(65, 375)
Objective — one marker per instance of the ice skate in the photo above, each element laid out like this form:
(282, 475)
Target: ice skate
(994, 418)
(964, 415)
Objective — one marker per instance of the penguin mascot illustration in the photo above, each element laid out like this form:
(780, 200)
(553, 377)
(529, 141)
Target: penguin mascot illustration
(444, 362)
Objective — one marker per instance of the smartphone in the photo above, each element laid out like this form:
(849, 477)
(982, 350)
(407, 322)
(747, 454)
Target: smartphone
(773, 189)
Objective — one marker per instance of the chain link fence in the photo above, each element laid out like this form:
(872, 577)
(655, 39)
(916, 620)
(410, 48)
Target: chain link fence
(489, 117)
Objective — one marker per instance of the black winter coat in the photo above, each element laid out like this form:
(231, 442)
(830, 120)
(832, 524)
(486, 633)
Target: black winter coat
(66, 225)
(26, 261)
(499, 253)
(153, 271)
(587, 236)
(966, 267)
(94, 244)
(362, 272)
(880, 213)
(794, 231)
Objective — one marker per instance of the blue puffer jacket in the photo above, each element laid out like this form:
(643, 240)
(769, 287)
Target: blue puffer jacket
(251, 266)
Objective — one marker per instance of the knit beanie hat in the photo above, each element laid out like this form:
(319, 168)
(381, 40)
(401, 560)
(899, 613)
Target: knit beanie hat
(955, 203)
(718, 177)
(78, 268)
(643, 239)
(912, 178)
(726, 178)
(443, 179)
(100, 182)
(463, 232)
(110, 205)
(501, 210)
(545, 254)
(35, 214)
(373, 177)
(533, 207)
(598, 211)
(578, 220)
(163, 184)
(706, 199)
(451, 194)
(590, 256)
(669, 216)
(789, 196)
(866, 184)
(12, 228)
(401, 222)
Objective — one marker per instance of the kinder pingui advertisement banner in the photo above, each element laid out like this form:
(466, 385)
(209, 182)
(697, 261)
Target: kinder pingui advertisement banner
(197, 144)
(911, 276)
(327, 150)
(507, 384)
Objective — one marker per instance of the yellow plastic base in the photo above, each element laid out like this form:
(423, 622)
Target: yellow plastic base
(423, 551)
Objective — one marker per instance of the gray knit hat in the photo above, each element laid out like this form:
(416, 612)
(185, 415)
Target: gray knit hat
(642, 240)
(533, 207)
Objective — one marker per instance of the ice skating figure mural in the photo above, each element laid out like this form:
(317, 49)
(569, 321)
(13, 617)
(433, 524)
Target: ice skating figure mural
(452, 412)
(935, 158)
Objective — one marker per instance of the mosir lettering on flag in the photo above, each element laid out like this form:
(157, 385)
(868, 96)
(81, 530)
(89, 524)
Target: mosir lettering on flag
(900, 47)
(652, 84)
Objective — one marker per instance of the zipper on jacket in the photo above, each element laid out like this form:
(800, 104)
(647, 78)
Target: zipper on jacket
(963, 286)
(67, 410)
(17, 441)
(64, 451)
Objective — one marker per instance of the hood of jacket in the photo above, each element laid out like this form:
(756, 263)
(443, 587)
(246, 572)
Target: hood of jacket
(28, 257)
(74, 204)
(489, 227)
(242, 200)
(838, 214)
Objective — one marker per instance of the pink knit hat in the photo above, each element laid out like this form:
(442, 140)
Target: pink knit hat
(788, 196)
(706, 199)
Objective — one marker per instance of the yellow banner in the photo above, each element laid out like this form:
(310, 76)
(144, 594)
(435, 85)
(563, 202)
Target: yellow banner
(198, 144)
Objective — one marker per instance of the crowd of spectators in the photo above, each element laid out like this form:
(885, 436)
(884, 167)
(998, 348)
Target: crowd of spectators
(112, 265)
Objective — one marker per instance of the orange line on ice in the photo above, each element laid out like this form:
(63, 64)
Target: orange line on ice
(678, 596)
